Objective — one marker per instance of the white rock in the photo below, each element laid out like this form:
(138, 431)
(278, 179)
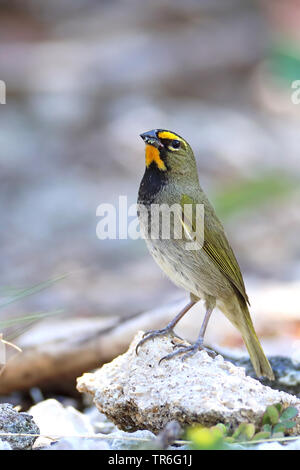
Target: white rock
(99, 421)
(293, 445)
(75, 443)
(4, 445)
(135, 392)
(55, 420)
(271, 446)
(126, 441)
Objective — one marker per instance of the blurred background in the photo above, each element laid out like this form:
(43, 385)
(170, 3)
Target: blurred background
(84, 79)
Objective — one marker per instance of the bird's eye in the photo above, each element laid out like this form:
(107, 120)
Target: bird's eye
(175, 144)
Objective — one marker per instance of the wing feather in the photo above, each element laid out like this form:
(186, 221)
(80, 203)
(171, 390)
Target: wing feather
(216, 245)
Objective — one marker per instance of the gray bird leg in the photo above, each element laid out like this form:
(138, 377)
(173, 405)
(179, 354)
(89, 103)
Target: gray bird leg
(188, 351)
(169, 328)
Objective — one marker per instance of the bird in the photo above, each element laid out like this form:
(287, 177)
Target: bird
(208, 272)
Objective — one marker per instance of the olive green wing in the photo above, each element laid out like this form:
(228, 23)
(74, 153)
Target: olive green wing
(215, 244)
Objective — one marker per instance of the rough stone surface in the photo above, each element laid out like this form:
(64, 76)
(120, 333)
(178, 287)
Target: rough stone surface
(135, 392)
(11, 421)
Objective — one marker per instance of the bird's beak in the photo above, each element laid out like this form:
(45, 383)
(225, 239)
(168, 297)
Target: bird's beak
(150, 138)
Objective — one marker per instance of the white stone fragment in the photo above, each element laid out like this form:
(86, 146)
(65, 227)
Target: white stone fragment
(135, 392)
(55, 420)
(4, 445)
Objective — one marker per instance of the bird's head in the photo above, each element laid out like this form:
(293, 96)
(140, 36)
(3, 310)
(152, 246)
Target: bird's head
(167, 152)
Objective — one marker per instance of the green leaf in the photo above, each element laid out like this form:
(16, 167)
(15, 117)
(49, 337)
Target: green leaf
(205, 438)
(289, 413)
(267, 428)
(272, 414)
(277, 435)
(261, 435)
(278, 428)
(279, 407)
(221, 427)
(245, 431)
(249, 430)
(289, 424)
(230, 439)
(237, 432)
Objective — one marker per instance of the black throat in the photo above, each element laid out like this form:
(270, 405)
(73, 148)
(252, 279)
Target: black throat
(152, 183)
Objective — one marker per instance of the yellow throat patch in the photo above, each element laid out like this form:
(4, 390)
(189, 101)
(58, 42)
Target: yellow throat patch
(152, 155)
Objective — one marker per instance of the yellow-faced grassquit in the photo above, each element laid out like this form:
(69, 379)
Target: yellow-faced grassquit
(211, 272)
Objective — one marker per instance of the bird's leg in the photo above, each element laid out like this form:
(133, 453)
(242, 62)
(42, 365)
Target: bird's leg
(193, 348)
(169, 328)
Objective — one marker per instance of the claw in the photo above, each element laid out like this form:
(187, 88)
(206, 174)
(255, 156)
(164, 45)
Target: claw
(152, 334)
(188, 351)
(179, 345)
(173, 354)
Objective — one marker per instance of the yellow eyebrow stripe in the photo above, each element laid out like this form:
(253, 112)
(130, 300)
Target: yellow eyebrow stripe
(168, 135)
(152, 155)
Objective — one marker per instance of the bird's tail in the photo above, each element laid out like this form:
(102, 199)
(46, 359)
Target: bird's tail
(259, 361)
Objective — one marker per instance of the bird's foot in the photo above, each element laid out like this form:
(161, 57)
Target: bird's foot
(188, 350)
(153, 334)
